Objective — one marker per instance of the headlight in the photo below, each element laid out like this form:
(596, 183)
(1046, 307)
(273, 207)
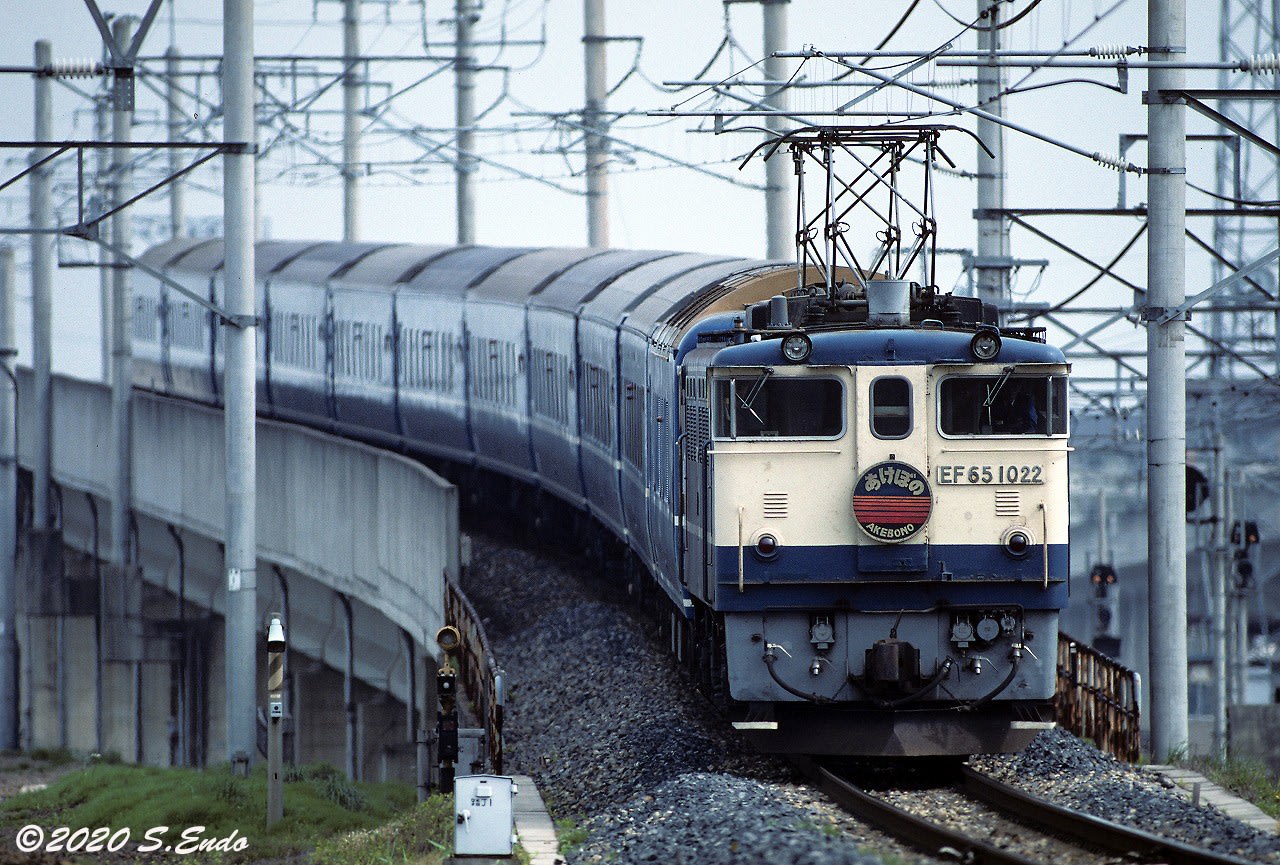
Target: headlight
(985, 344)
(796, 347)
(766, 546)
(1017, 543)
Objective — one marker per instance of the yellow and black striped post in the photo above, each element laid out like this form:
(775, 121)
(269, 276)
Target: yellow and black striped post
(275, 718)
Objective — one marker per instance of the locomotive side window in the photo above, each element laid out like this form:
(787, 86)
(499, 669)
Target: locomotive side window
(1003, 405)
(891, 407)
(765, 406)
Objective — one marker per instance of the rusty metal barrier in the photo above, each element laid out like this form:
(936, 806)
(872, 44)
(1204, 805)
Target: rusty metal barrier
(482, 678)
(1098, 699)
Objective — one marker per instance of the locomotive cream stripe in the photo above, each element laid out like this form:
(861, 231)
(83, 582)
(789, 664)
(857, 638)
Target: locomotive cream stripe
(818, 482)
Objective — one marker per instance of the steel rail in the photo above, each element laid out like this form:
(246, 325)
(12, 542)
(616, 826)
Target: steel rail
(921, 834)
(1095, 831)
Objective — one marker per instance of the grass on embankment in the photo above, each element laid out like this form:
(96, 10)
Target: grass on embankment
(1248, 779)
(346, 823)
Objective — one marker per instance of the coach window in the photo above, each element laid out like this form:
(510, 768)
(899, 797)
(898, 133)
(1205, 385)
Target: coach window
(891, 407)
(1003, 405)
(763, 405)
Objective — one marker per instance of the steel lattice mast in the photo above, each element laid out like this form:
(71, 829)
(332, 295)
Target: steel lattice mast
(1248, 29)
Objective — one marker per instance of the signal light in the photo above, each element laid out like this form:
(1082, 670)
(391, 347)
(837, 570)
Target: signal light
(1102, 574)
(1245, 534)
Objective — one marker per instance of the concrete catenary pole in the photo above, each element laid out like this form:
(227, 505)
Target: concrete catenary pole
(595, 58)
(991, 269)
(1166, 385)
(464, 70)
(121, 315)
(1218, 596)
(42, 295)
(177, 120)
(241, 481)
(779, 206)
(102, 129)
(350, 120)
(8, 498)
(127, 602)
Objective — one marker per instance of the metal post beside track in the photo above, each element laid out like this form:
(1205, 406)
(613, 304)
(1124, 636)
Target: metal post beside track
(275, 719)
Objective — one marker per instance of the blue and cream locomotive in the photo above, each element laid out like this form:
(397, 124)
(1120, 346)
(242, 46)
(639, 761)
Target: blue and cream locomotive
(852, 500)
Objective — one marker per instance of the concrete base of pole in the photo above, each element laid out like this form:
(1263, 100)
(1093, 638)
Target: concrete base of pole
(9, 688)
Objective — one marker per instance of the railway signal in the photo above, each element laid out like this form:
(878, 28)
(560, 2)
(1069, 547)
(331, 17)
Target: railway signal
(448, 639)
(1106, 605)
(1244, 534)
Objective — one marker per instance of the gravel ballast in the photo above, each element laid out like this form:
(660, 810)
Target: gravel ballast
(1063, 769)
(618, 743)
(622, 747)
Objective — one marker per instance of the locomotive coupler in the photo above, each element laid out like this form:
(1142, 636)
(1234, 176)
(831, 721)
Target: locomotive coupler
(892, 666)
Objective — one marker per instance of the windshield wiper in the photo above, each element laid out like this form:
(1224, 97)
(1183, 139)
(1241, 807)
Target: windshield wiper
(1000, 383)
(755, 392)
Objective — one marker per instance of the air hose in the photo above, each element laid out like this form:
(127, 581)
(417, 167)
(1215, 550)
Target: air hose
(928, 686)
(1016, 657)
(770, 659)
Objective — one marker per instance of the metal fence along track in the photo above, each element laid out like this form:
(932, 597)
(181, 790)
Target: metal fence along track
(1098, 700)
(482, 678)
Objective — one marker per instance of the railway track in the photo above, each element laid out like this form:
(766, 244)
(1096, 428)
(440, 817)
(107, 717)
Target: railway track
(1003, 815)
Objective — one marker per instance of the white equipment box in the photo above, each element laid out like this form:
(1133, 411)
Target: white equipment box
(484, 815)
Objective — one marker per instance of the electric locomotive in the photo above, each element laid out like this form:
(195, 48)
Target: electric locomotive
(875, 519)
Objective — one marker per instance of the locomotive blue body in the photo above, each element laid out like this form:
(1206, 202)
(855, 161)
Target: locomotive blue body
(858, 518)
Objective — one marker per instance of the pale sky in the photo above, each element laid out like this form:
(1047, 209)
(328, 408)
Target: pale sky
(652, 204)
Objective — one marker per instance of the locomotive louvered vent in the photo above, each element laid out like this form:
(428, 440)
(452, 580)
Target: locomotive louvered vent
(1008, 503)
(775, 506)
(699, 432)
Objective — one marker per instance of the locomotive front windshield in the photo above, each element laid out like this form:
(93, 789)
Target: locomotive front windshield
(1003, 405)
(768, 406)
